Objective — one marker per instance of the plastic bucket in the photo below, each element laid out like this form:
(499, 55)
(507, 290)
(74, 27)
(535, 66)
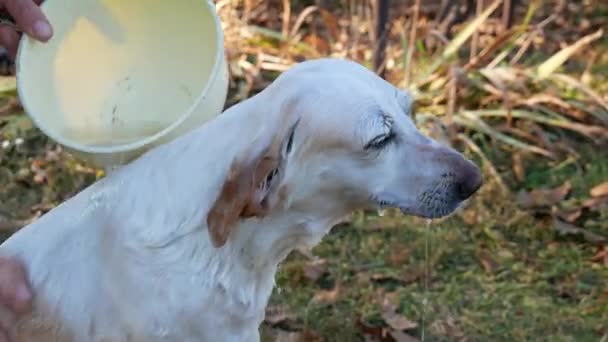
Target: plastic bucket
(121, 76)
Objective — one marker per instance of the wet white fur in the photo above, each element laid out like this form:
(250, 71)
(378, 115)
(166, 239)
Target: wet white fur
(130, 259)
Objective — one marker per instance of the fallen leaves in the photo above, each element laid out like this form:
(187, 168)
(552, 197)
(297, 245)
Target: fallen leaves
(540, 198)
(400, 336)
(599, 197)
(601, 256)
(327, 297)
(375, 333)
(399, 255)
(395, 320)
(315, 269)
(599, 190)
(566, 213)
(297, 336)
(488, 262)
(596, 203)
(277, 314)
(565, 228)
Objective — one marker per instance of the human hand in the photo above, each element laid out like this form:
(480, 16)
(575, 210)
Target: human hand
(28, 18)
(15, 294)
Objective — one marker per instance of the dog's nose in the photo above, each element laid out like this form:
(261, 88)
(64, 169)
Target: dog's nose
(469, 179)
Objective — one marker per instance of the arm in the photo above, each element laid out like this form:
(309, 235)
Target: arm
(15, 292)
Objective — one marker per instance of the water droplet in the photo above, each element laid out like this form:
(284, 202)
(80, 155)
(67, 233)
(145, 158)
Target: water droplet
(96, 198)
(161, 331)
(425, 299)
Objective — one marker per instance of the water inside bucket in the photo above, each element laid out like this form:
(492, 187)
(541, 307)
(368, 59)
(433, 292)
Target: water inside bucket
(118, 135)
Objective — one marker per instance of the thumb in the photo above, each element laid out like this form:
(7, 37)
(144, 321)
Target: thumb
(29, 17)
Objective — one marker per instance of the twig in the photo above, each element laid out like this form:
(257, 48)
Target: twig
(581, 86)
(451, 105)
(411, 42)
(381, 24)
(475, 38)
(286, 18)
(487, 51)
(507, 13)
(300, 20)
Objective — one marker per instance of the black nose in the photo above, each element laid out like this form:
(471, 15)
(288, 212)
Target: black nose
(469, 179)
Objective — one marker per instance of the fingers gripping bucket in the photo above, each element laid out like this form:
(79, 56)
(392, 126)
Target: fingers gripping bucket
(120, 77)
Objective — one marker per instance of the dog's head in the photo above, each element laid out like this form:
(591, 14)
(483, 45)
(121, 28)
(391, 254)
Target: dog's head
(340, 138)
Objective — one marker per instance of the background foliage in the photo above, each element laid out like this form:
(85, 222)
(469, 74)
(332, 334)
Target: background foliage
(523, 95)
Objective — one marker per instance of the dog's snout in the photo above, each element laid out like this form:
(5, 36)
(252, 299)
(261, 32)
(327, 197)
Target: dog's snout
(467, 176)
(469, 179)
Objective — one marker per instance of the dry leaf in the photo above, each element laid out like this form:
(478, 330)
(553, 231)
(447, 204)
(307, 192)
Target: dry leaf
(399, 255)
(565, 228)
(518, 167)
(601, 256)
(327, 296)
(490, 265)
(310, 336)
(395, 320)
(596, 203)
(297, 336)
(543, 197)
(400, 336)
(599, 190)
(559, 58)
(318, 43)
(568, 215)
(374, 333)
(398, 322)
(447, 327)
(412, 275)
(287, 336)
(331, 22)
(315, 269)
(276, 314)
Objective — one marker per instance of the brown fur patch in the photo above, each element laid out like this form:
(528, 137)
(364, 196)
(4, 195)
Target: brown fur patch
(227, 209)
(237, 197)
(240, 196)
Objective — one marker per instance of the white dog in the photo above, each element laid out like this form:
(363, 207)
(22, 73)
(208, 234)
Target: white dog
(183, 243)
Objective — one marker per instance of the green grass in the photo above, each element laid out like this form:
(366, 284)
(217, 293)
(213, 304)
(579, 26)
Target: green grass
(536, 286)
(538, 289)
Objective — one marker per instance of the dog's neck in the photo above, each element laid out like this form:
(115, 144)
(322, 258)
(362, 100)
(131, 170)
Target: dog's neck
(160, 213)
(251, 257)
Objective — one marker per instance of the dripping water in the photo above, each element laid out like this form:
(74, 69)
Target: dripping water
(425, 295)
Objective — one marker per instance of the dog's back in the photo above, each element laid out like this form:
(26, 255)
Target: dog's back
(106, 265)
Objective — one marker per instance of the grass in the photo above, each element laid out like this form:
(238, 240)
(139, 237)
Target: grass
(492, 272)
(488, 281)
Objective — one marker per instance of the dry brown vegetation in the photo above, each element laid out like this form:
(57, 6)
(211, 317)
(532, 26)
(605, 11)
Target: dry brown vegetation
(527, 260)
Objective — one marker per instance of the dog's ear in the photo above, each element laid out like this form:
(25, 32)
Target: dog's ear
(246, 189)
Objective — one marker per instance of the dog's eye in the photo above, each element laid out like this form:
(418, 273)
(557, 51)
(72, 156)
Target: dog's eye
(380, 141)
(268, 180)
(290, 142)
